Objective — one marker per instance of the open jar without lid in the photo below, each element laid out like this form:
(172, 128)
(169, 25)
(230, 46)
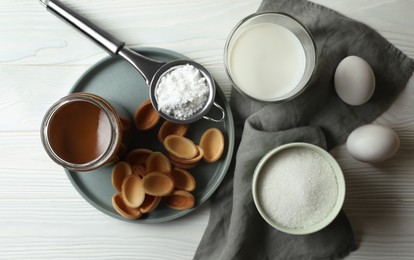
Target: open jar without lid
(83, 131)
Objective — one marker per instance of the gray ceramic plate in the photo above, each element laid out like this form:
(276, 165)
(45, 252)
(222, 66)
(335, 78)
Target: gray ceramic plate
(116, 80)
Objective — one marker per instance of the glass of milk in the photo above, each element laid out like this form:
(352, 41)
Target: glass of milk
(270, 57)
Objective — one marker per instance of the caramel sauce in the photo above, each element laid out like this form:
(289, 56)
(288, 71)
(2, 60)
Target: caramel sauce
(79, 132)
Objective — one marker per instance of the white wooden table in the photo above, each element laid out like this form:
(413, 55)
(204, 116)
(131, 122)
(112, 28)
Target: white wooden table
(41, 214)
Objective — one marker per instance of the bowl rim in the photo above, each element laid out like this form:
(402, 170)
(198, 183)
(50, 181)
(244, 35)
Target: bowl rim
(339, 177)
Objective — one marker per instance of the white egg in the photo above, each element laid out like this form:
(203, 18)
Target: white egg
(373, 143)
(354, 81)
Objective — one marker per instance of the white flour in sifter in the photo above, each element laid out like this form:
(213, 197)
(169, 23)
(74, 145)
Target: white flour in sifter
(298, 188)
(182, 92)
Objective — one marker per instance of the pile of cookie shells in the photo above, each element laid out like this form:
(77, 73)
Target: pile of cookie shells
(147, 178)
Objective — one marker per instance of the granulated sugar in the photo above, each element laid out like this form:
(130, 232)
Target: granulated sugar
(182, 92)
(297, 188)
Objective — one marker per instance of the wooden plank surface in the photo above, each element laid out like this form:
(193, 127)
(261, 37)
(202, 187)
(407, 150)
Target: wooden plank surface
(41, 214)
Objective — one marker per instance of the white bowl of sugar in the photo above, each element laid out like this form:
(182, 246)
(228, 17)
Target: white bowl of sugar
(298, 188)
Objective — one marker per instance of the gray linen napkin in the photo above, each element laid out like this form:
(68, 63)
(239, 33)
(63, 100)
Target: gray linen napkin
(318, 116)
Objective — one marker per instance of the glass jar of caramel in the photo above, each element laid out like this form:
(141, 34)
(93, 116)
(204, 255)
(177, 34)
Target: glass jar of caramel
(83, 131)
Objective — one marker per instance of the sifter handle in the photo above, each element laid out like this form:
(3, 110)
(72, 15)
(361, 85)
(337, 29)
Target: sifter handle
(90, 30)
(217, 120)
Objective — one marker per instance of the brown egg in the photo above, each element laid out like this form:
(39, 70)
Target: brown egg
(194, 160)
(180, 147)
(180, 200)
(169, 128)
(145, 116)
(120, 171)
(158, 162)
(150, 203)
(212, 142)
(123, 210)
(133, 192)
(138, 156)
(157, 184)
(183, 180)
